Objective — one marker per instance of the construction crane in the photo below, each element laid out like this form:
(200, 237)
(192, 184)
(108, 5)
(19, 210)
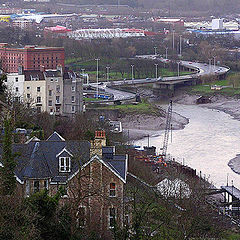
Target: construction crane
(167, 130)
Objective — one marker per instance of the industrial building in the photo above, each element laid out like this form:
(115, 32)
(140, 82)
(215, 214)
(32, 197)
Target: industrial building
(30, 57)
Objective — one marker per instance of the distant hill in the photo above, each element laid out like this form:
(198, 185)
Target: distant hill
(219, 6)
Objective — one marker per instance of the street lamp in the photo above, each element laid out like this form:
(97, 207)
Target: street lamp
(156, 69)
(214, 61)
(108, 73)
(155, 51)
(180, 45)
(210, 60)
(97, 59)
(173, 43)
(166, 52)
(132, 66)
(178, 63)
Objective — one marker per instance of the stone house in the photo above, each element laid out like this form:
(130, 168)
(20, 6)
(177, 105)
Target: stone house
(91, 174)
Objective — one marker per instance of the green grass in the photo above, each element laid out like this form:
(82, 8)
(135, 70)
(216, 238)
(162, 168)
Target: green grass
(141, 108)
(206, 89)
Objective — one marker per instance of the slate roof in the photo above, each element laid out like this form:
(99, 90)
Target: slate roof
(52, 73)
(40, 159)
(33, 74)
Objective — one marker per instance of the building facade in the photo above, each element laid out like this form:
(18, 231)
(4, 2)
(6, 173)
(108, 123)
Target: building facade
(30, 57)
(54, 91)
(93, 180)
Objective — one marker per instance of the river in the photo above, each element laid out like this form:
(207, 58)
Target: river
(207, 143)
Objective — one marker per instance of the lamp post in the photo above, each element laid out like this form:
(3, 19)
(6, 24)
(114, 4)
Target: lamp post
(97, 59)
(214, 61)
(210, 60)
(155, 51)
(173, 41)
(178, 63)
(156, 69)
(108, 73)
(132, 66)
(166, 52)
(180, 45)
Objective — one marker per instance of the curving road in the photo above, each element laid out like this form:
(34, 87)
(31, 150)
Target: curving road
(200, 68)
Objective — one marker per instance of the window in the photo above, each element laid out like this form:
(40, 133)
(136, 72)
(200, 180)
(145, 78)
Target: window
(50, 103)
(64, 164)
(16, 89)
(27, 187)
(57, 109)
(28, 88)
(57, 99)
(112, 213)
(50, 93)
(38, 99)
(28, 95)
(112, 192)
(73, 99)
(58, 88)
(81, 216)
(39, 109)
(36, 186)
(46, 184)
(73, 109)
(56, 80)
(73, 88)
(16, 79)
(51, 80)
(38, 89)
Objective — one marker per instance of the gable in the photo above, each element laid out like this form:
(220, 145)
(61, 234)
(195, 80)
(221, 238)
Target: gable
(64, 153)
(56, 137)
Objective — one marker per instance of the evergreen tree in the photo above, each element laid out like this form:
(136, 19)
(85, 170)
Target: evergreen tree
(8, 180)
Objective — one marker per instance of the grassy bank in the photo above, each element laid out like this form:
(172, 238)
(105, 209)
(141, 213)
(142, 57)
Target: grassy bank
(140, 108)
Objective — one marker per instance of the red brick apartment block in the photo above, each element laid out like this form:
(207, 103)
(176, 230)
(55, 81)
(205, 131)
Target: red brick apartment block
(30, 57)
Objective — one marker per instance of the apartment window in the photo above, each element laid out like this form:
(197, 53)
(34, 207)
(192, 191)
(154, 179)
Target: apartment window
(28, 95)
(56, 80)
(73, 109)
(73, 88)
(38, 99)
(73, 99)
(64, 164)
(112, 214)
(28, 88)
(58, 88)
(112, 191)
(57, 99)
(81, 216)
(16, 89)
(16, 79)
(50, 93)
(38, 89)
(51, 80)
(57, 109)
(36, 186)
(50, 103)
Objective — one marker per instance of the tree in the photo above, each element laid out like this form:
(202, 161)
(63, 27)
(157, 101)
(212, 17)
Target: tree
(8, 179)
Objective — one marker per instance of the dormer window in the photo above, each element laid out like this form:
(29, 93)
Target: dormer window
(64, 164)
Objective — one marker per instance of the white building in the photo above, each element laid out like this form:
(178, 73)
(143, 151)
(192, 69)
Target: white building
(217, 24)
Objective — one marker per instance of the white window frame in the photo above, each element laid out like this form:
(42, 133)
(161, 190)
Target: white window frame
(73, 88)
(38, 89)
(38, 99)
(57, 99)
(73, 99)
(111, 217)
(63, 168)
(112, 190)
(73, 109)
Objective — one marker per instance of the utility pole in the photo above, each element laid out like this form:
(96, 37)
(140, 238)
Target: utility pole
(107, 73)
(97, 59)
(132, 66)
(156, 70)
(166, 52)
(180, 45)
(155, 51)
